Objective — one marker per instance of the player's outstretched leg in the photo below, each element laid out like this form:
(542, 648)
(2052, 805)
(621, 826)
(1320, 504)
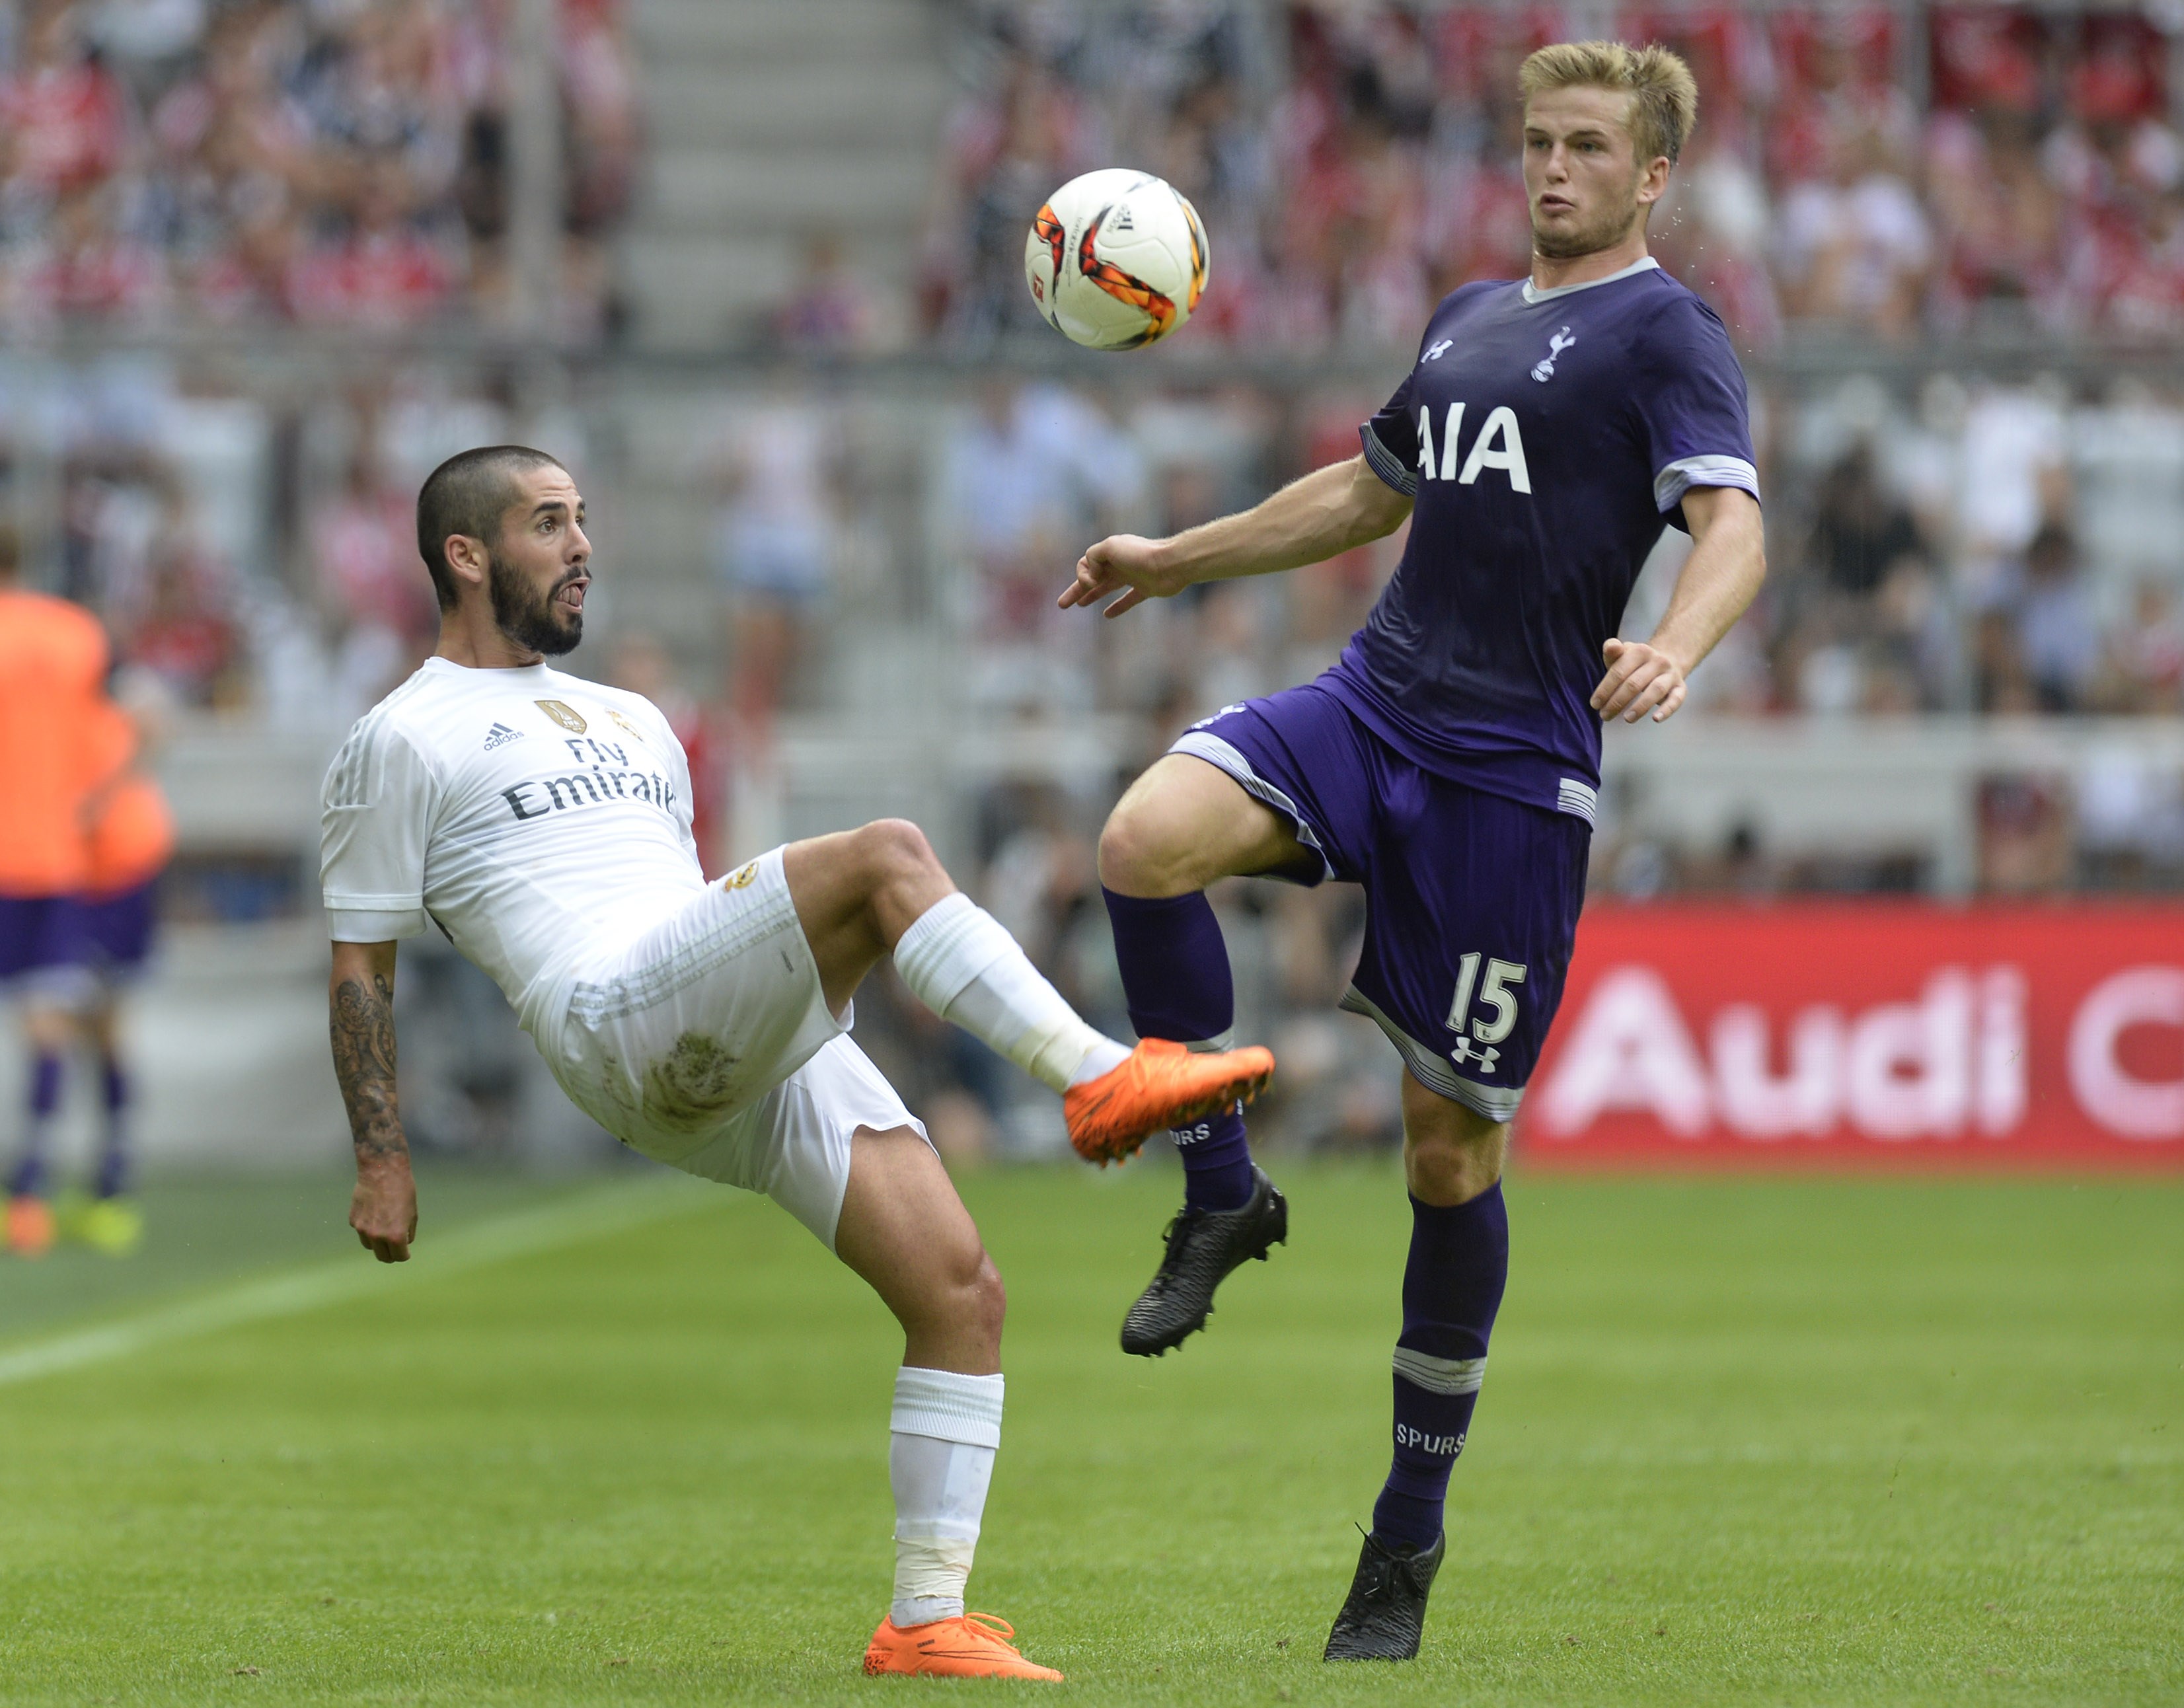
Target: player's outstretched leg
(879, 890)
(30, 1222)
(1452, 1285)
(108, 1219)
(1160, 847)
(111, 1221)
(904, 1230)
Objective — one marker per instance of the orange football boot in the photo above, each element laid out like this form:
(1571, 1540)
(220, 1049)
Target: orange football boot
(30, 1227)
(972, 1645)
(1161, 1085)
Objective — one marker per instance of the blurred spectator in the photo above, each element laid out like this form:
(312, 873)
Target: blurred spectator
(187, 635)
(1855, 247)
(2146, 654)
(2002, 681)
(829, 311)
(773, 550)
(2012, 476)
(2025, 835)
(372, 587)
(1861, 533)
(2057, 632)
(1025, 481)
(65, 116)
(641, 663)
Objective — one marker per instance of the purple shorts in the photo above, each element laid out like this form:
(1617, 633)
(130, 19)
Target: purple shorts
(1472, 899)
(117, 930)
(40, 934)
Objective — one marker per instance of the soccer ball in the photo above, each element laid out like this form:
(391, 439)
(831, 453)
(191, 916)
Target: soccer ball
(1115, 260)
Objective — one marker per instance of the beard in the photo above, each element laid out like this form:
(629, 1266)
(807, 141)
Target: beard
(532, 619)
(1603, 230)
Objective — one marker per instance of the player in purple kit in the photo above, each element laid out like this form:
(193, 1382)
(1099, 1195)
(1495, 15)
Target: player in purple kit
(1450, 762)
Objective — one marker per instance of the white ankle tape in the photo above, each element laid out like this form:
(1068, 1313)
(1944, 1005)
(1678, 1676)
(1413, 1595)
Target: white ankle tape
(930, 1579)
(947, 1407)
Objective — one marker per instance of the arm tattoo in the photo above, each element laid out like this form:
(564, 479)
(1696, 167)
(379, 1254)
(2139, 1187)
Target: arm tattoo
(364, 1061)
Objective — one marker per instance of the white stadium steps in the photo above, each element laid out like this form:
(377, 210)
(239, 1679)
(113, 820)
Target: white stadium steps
(792, 30)
(830, 105)
(767, 121)
(753, 192)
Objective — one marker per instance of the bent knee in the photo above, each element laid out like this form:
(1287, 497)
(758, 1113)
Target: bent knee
(1451, 1168)
(1143, 852)
(973, 1305)
(989, 1299)
(890, 846)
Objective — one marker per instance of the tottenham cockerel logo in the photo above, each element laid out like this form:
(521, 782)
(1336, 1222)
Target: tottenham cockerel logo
(1544, 370)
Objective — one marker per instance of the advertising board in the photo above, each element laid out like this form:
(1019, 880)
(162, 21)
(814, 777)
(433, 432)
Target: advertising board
(1861, 1034)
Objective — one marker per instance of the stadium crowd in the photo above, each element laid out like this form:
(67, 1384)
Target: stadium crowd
(170, 163)
(1354, 163)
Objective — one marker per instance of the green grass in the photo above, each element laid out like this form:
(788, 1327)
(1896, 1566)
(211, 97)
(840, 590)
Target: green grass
(1744, 1441)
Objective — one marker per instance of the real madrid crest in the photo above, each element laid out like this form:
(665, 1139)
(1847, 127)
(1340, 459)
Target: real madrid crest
(628, 728)
(567, 716)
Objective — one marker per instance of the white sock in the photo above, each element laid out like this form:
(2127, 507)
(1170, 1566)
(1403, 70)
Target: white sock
(940, 1459)
(967, 969)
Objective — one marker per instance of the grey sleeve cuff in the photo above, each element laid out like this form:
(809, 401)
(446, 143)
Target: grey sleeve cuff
(1386, 464)
(1679, 476)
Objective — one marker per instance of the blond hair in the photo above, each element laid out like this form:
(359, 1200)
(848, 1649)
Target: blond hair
(1664, 97)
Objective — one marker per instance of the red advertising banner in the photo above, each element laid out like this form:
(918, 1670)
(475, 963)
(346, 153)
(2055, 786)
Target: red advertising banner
(1864, 1034)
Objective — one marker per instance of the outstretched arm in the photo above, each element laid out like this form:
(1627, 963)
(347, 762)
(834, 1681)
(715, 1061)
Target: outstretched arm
(1322, 515)
(361, 1019)
(1719, 579)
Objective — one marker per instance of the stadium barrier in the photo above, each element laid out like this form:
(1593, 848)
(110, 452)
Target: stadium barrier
(1867, 1034)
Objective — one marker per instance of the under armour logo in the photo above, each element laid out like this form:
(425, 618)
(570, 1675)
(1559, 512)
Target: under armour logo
(1465, 1052)
(1435, 352)
(1561, 342)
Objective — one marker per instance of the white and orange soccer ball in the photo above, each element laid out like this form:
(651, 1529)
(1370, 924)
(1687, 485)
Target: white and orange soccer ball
(1115, 260)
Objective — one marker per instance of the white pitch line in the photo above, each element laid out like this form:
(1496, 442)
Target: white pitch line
(595, 1215)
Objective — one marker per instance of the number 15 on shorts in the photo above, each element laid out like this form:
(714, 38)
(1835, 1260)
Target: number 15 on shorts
(1493, 992)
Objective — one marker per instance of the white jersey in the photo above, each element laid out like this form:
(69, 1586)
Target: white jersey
(541, 820)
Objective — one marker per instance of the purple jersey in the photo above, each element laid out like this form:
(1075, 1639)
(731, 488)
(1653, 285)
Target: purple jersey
(1548, 437)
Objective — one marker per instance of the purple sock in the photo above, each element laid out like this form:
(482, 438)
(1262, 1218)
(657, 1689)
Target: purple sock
(114, 1159)
(1452, 1285)
(1176, 979)
(28, 1178)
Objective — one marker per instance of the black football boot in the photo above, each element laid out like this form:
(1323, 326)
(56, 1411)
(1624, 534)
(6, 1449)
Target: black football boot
(1386, 1611)
(1203, 1245)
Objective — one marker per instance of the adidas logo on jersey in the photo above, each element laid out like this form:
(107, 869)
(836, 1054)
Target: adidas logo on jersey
(500, 736)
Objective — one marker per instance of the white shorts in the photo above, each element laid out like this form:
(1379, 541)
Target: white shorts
(707, 1045)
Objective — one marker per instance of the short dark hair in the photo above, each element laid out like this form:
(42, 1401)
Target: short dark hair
(467, 495)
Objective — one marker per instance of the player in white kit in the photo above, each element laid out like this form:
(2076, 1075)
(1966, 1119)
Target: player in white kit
(543, 823)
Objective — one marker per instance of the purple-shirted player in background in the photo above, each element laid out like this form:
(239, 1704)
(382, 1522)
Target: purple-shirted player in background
(1450, 762)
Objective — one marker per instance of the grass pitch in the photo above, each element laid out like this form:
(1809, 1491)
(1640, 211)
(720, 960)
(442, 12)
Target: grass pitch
(1781, 1441)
